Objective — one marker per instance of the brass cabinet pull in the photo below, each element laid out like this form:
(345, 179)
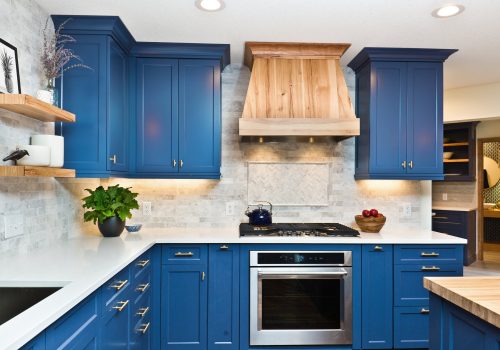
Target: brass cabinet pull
(142, 263)
(429, 255)
(424, 311)
(403, 164)
(142, 311)
(430, 268)
(122, 306)
(142, 287)
(441, 217)
(113, 158)
(203, 276)
(119, 284)
(181, 163)
(143, 328)
(184, 254)
(174, 163)
(411, 164)
(224, 247)
(378, 248)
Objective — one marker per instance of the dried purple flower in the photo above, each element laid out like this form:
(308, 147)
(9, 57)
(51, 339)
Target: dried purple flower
(55, 56)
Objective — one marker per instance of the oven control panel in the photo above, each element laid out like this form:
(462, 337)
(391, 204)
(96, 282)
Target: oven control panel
(300, 258)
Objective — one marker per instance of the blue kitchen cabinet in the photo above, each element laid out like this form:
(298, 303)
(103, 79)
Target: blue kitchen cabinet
(184, 307)
(78, 329)
(37, 343)
(157, 116)
(453, 328)
(376, 296)
(411, 327)
(199, 117)
(399, 100)
(223, 297)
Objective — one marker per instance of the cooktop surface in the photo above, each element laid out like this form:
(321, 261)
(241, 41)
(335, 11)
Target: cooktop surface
(298, 230)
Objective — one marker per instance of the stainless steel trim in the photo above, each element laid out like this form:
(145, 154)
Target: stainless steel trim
(258, 336)
(254, 257)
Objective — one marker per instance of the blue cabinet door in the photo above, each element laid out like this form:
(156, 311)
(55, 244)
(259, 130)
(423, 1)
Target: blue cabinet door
(376, 296)
(184, 307)
(78, 329)
(115, 321)
(388, 118)
(223, 297)
(425, 118)
(117, 125)
(37, 343)
(84, 92)
(199, 116)
(411, 327)
(157, 116)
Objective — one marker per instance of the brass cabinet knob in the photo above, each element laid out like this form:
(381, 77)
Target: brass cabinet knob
(143, 328)
(411, 164)
(113, 158)
(430, 268)
(143, 263)
(142, 311)
(142, 287)
(428, 255)
(119, 284)
(184, 254)
(403, 164)
(181, 163)
(378, 248)
(224, 247)
(121, 305)
(174, 163)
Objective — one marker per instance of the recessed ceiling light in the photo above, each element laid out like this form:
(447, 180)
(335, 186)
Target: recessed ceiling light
(210, 5)
(448, 11)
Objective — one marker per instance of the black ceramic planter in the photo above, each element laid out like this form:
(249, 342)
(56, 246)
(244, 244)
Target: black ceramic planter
(112, 227)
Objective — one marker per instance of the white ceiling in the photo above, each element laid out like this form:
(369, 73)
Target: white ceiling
(396, 23)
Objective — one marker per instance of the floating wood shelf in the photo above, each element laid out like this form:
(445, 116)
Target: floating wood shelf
(456, 160)
(32, 107)
(455, 144)
(35, 171)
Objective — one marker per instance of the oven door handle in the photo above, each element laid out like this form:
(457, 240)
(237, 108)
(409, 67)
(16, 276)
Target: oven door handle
(340, 272)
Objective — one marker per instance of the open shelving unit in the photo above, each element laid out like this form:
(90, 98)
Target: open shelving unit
(460, 138)
(34, 108)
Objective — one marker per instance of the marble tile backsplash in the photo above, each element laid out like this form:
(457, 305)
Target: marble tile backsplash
(50, 209)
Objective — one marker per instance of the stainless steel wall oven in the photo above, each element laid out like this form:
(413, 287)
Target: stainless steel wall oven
(300, 298)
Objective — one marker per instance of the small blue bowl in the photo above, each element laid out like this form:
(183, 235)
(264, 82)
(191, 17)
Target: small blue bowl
(133, 228)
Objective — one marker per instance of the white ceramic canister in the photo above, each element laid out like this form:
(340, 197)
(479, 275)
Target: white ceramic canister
(38, 155)
(56, 144)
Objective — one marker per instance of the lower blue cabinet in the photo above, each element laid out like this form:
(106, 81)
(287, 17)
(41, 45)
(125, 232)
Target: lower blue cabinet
(184, 307)
(223, 296)
(411, 327)
(78, 329)
(376, 296)
(115, 322)
(37, 343)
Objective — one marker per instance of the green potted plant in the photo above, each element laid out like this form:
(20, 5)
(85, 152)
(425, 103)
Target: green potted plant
(110, 208)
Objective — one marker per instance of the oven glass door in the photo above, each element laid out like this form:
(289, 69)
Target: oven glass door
(301, 306)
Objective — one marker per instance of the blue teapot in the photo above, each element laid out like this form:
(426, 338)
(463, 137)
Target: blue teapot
(260, 216)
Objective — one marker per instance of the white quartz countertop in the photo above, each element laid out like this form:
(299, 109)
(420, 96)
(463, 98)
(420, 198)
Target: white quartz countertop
(81, 265)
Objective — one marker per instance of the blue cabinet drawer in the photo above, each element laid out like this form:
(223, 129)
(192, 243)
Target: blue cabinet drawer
(116, 285)
(427, 254)
(140, 265)
(185, 254)
(140, 338)
(457, 217)
(408, 281)
(77, 329)
(411, 327)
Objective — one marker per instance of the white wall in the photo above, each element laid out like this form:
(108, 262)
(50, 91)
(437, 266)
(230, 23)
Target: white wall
(472, 103)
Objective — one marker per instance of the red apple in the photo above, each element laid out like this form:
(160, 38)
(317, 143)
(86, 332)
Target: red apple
(374, 212)
(366, 213)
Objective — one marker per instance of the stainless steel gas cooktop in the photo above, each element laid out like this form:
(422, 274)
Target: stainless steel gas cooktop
(298, 230)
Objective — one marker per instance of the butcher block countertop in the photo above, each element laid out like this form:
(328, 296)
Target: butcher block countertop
(478, 295)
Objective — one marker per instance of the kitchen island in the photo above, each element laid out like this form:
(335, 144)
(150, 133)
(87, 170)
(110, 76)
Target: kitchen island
(465, 312)
(83, 265)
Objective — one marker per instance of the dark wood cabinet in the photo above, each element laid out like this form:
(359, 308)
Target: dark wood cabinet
(460, 224)
(460, 140)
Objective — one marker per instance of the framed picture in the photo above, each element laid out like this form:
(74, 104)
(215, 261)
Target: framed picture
(9, 69)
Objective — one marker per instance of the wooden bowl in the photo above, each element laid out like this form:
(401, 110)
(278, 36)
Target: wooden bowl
(370, 224)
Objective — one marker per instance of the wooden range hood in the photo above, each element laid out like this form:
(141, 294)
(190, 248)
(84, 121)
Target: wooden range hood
(297, 89)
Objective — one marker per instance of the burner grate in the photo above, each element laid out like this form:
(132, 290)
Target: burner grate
(299, 229)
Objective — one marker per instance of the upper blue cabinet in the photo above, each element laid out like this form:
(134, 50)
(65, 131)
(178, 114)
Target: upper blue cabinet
(399, 100)
(145, 110)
